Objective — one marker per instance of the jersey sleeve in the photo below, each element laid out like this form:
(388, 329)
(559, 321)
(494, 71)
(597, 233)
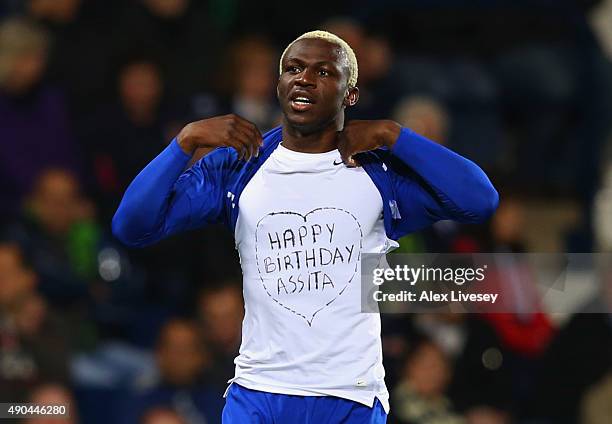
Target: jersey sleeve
(165, 199)
(433, 183)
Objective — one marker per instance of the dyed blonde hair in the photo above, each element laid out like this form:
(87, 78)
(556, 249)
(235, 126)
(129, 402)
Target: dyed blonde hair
(334, 39)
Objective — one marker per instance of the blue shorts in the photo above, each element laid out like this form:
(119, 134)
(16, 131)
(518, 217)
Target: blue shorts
(246, 406)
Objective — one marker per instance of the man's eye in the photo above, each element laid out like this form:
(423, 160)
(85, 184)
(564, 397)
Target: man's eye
(323, 73)
(293, 69)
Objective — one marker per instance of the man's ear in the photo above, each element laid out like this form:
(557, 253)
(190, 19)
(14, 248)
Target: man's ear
(352, 96)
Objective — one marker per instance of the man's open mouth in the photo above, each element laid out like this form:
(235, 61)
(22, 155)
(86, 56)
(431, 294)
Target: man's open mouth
(301, 103)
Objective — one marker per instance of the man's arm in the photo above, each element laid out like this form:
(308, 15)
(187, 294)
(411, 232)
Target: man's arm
(447, 186)
(163, 200)
(160, 200)
(444, 185)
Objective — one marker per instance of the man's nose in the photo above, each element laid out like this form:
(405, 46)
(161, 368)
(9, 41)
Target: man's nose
(306, 78)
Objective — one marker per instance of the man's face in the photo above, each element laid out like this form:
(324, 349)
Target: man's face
(140, 87)
(428, 371)
(180, 355)
(313, 85)
(53, 394)
(16, 281)
(222, 312)
(56, 200)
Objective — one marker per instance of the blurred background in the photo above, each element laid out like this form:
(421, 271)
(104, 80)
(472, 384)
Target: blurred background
(91, 90)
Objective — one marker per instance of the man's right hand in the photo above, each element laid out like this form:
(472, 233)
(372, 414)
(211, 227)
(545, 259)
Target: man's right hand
(222, 131)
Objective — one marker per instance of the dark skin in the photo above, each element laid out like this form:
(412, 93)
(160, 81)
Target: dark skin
(315, 70)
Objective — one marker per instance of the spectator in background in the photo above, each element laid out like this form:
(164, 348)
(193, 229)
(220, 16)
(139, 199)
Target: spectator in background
(579, 358)
(252, 73)
(81, 271)
(424, 115)
(480, 380)
(540, 125)
(378, 89)
(246, 86)
(80, 50)
(122, 135)
(56, 11)
(58, 231)
(508, 227)
(519, 318)
(595, 407)
(34, 123)
(420, 397)
(54, 394)
(120, 139)
(33, 344)
(181, 32)
(160, 415)
(480, 386)
(527, 330)
(220, 311)
(181, 383)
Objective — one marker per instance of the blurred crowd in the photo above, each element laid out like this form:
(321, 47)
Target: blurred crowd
(91, 90)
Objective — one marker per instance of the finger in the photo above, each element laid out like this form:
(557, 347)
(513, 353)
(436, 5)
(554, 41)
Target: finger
(249, 146)
(244, 143)
(236, 146)
(259, 140)
(254, 134)
(247, 129)
(250, 130)
(249, 137)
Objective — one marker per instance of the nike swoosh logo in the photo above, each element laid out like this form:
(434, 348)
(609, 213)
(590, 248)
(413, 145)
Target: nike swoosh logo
(338, 163)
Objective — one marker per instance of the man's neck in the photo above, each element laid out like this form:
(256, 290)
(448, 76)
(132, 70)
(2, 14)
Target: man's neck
(324, 140)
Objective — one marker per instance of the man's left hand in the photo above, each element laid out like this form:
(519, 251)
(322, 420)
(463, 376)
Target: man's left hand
(363, 136)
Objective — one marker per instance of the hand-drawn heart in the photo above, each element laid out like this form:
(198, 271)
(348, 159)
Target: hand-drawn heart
(306, 261)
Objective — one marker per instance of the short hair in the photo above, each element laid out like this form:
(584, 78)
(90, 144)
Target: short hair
(334, 39)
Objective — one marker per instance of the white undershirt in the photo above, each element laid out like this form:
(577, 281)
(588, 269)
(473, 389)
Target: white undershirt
(302, 226)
